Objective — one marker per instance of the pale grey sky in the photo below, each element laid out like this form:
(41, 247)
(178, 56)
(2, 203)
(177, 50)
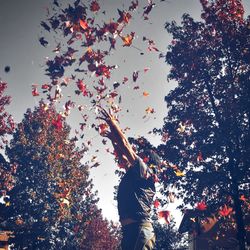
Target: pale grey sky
(20, 49)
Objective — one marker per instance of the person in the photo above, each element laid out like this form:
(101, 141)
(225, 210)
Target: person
(135, 192)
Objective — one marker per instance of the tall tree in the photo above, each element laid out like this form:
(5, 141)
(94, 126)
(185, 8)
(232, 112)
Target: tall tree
(206, 131)
(52, 201)
(6, 128)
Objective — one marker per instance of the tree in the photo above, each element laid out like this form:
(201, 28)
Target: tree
(101, 234)
(6, 121)
(167, 237)
(52, 201)
(206, 131)
(6, 128)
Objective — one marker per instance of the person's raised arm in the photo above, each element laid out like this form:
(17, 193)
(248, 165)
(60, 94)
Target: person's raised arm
(118, 138)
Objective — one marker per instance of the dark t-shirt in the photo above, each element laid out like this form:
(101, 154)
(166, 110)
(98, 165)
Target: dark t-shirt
(136, 193)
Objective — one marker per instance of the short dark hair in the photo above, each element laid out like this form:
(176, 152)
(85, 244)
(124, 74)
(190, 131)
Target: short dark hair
(154, 158)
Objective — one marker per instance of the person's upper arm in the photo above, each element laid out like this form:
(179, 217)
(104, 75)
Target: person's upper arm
(139, 168)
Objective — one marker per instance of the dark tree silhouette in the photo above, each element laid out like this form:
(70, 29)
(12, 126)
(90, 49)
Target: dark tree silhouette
(167, 237)
(206, 130)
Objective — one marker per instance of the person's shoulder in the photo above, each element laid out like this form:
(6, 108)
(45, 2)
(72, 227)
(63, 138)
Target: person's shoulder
(139, 168)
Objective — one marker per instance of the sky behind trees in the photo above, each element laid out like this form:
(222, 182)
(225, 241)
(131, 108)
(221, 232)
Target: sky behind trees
(20, 49)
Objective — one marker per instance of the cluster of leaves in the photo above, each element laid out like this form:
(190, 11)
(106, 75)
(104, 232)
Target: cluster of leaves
(167, 237)
(6, 121)
(206, 131)
(52, 202)
(101, 234)
(7, 126)
(81, 26)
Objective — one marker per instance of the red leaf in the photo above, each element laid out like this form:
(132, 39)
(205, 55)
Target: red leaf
(94, 6)
(35, 91)
(225, 211)
(103, 128)
(82, 87)
(201, 206)
(164, 215)
(156, 203)
(58, 122)
(199, 157)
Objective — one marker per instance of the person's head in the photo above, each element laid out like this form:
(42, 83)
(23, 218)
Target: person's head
(154, 158)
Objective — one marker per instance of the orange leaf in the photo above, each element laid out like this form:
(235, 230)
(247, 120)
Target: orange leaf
(150, 110)
(179, 173)
(243, 198)
(127, 40)
(145, 93)
(225, 211)
(83, 24)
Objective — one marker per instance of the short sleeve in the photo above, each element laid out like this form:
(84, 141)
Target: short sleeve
(139, 168)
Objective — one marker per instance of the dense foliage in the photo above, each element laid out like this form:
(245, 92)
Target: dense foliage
(6, 128)
(206, 131)
(52, 203)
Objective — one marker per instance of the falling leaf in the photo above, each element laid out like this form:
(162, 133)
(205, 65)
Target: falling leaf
(225, 211)
(45, 26)
(201, 206)
(34, 91)
(156, 203)
(127, 40)
(179, 173)
(94, 6)
(149, 110)
(148, 8)
(82, 88)
(135, 75)
(164, 215)
(103, 127)
(243, 198)
(43, 42)
(133, 5)
(145, 93)
(124, 16)
(181, 128)
(125, 79)
(116, 85)
(83, 24)
(7, 69)
(58, 122)
(199, 157)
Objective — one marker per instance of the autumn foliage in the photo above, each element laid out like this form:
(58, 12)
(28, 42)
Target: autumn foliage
(52, 202)
(206, 131)
(6, 121)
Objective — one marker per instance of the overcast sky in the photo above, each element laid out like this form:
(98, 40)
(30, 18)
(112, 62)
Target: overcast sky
(20, 49)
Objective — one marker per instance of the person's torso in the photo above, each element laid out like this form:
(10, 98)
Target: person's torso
(135, 195)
